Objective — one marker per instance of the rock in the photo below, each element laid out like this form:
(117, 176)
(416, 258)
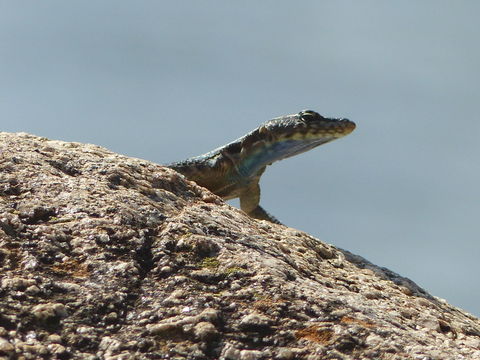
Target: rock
(45, 312)
(254, 322)
(6, 348)
(251, 355)
(105, 256)
(229, 352)
(285, 354)
(205, 331)
(17, 283)
(166, 330)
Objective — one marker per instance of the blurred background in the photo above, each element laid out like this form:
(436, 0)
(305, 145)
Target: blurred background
(165, 80)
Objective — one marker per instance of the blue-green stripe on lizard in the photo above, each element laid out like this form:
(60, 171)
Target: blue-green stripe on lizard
(234, 170)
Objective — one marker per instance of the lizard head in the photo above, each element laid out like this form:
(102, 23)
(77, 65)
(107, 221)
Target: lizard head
(308, 125)
(283, 137)
(293, 134)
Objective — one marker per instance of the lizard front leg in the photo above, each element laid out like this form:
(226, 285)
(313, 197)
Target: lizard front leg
(249, 203)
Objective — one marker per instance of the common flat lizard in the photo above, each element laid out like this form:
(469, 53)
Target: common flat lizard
(234, 170)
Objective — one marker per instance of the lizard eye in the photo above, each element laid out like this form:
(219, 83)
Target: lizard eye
(309, 115)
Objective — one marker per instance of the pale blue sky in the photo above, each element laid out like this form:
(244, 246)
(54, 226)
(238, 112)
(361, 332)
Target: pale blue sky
(164, 80)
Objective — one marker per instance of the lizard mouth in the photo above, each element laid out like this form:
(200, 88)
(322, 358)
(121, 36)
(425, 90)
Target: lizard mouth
(335, 127)
(313, 131)
(308, 126)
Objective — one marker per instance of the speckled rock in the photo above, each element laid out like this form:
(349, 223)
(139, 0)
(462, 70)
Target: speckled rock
(108, 257)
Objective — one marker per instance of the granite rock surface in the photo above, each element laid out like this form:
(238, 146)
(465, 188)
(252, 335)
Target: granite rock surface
(103, 256)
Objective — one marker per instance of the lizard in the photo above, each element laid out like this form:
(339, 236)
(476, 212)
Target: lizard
(234, 170)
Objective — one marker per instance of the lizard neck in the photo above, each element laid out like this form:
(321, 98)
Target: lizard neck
(264, 153)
